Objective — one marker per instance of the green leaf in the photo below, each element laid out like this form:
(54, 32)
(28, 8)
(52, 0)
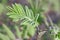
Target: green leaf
(4, 37)
(18, 32)
(31, 30)
(29, 19)
(9, 32)
(2, 9)
(16, 12)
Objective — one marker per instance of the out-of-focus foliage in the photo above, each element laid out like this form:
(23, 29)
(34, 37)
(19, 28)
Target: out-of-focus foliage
(9, 35)
(3, 1)
(45, 4)
(56, 4)
(37, 7)
(55, 32)
(17, 12)
(3, 6)
(31, 18)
